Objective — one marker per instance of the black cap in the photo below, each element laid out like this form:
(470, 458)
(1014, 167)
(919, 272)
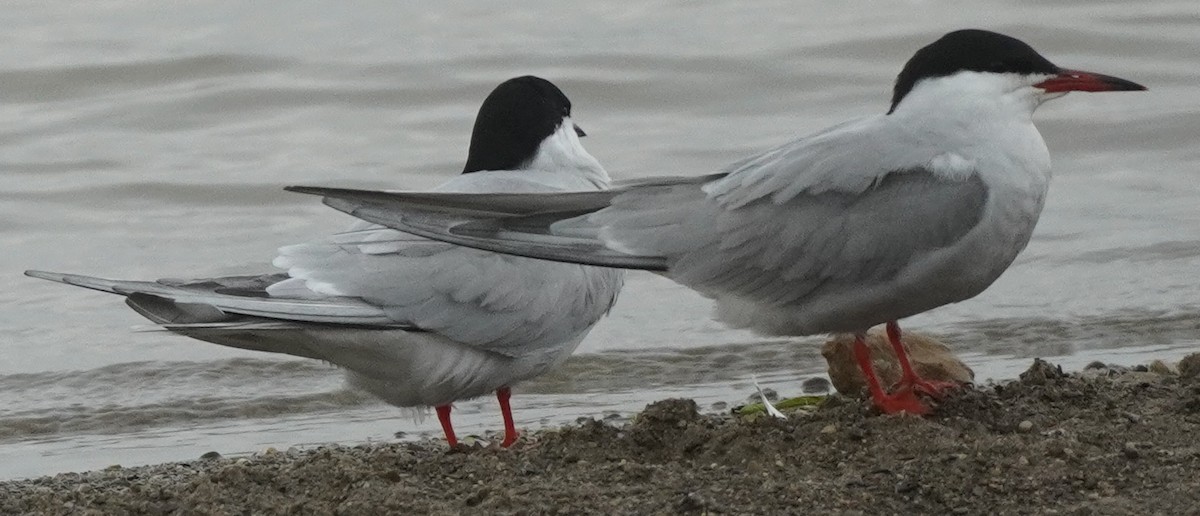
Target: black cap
(513, 121)
(969, 50)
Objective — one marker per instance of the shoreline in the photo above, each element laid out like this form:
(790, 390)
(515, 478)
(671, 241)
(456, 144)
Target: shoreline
(1100, 441)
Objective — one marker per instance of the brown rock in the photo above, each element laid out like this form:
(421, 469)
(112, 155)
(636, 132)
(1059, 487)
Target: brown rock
(1189, 367)
(1042, 372)
(931, 359)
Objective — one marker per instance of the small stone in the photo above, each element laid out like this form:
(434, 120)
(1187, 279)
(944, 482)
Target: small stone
(1025, 426)
(692, 502)
(1189, 367)
(815, 385)
(931, 359)
(1041, 372)
(1022, 461)
(1096, 364)
(1058, 450)
(1160, 367)
(477, 498)
(212, 455)
(906, 486)
(829, 429)
(1130, 450)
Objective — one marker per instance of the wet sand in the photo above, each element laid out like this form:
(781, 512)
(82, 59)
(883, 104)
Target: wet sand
(1100, 441)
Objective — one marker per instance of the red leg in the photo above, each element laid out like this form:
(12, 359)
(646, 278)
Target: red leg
(510, 429)
(443, 412)
(901, 401)
(908, 376)
(863, 355)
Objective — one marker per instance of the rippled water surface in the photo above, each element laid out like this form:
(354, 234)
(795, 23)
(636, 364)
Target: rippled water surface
(151, 139)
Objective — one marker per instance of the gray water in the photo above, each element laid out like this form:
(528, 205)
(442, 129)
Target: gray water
(152, 139)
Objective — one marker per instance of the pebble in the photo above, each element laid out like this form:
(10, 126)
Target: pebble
(1160, 367)
(829, 429)
(1025, 426)
(1189, 367)
(816, 385)
(1130, 451)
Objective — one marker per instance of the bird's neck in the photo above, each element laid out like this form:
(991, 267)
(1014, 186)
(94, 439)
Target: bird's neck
(563, 153)
(982, 122)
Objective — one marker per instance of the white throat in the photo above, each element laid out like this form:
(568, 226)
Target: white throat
(562, 152)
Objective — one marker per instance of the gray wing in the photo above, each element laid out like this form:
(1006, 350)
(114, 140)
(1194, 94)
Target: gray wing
(781, 253)
(504, 304)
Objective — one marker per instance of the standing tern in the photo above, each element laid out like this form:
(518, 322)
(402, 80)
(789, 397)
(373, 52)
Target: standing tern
(864, 223)
(413, 321)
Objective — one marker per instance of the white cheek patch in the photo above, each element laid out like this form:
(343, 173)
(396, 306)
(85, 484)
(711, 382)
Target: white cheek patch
(952, 166)
(562, 150)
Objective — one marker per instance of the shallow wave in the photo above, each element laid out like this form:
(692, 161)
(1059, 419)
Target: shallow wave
(122, 419)
(1034, 337)
(72, 82)
(135, 396)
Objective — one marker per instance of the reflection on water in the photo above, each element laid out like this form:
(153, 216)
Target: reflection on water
(146, 140)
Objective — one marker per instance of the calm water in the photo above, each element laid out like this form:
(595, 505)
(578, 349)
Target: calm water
(143, 140)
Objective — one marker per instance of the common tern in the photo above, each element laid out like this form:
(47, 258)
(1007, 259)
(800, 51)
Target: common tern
(863, 223)
(414, 321)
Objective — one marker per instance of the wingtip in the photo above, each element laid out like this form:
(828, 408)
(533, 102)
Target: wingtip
(46, 275)
(311, 190)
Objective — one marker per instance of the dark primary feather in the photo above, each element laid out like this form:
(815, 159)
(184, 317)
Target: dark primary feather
(486, 204)
(193, 296)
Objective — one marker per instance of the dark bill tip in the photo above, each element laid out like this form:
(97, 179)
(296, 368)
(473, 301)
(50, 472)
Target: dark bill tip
(579, 131)
(1078, 80)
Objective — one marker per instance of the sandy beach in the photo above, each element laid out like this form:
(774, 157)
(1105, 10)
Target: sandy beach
(1105, 440)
